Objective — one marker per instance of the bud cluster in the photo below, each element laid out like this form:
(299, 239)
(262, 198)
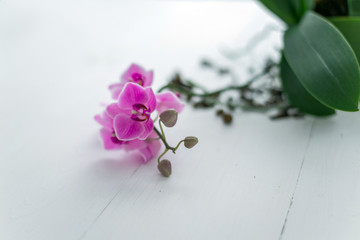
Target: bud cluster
(169, 119)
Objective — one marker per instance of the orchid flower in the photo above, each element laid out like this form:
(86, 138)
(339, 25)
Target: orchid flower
(135, 74)
(148, 148)
(127, 124)
(131, 113)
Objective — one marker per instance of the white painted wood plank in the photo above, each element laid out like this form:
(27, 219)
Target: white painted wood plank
(236, 184)
(327, 200)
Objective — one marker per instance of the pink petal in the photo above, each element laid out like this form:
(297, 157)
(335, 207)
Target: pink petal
(104, 120)
(115, 85)
(127, 129)
(148, 78)
(132, 94)
(151, 150)
(112, 110)
(169, 100)
(116, 90)
(134, 68)
(106, 135)
(151, 104)
(134, 145)
(148, 127)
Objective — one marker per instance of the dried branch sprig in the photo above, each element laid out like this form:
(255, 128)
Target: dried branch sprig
(249, 94)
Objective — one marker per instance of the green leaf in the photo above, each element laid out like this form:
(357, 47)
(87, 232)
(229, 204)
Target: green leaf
(354, 7)
(324, 62)
(283, 9)
(298, 96)
(350, 28)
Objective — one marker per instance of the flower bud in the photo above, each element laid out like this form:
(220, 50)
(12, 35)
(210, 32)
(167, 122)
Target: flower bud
(220, 112)
(189, 142)
(227, 119)
(165, 167)
(169, 117)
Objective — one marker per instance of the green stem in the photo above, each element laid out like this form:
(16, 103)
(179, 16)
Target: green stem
(162, 154)
(168, 147)
(178, 145)
(162, 131)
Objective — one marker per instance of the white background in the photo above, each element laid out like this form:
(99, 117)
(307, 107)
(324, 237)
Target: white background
(256, 179)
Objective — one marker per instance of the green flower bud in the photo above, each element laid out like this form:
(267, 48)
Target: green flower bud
(190, 142)
(165, 167)
(169, 117)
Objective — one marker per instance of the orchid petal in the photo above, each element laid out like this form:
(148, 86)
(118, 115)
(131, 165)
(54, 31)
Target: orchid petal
(148, 78)
(169, 100)
(112, 110)
(134, 145)
(134, 68)
(127, 129)
(132, 93)
(116, 89)
(104, 120)
(151, 104)
(106, 136)
(151, 150)
(148, 127)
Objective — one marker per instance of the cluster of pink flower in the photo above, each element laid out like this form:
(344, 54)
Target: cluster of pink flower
(127, 123)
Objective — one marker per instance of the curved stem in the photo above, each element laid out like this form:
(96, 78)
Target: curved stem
(162, 154)
(178, 145)
(163, 140)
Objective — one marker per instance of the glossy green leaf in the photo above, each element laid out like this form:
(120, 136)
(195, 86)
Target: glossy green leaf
(298, 96)
(350, 28)
(354, 7)
(284, 9)
(324, 62)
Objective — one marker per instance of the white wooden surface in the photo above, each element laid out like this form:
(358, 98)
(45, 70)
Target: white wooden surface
(257, 179)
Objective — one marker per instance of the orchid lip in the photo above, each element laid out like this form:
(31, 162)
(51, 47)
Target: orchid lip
(114, 139)
(140, 113)
(137, 78)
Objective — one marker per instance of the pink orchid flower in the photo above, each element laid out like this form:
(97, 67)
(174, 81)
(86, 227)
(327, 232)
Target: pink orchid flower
(148, 148)
(135, 74)
(131, 113)
(109, 138)
(168, 100)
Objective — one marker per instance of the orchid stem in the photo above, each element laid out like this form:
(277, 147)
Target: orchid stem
(162, 131)
(178, 145)
(164, 140)
(162, 154)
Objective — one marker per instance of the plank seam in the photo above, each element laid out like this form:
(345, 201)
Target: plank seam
(103, 210)
(297, 182)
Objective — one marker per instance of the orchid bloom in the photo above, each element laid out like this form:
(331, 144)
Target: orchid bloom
(131, 113)
(127, 124)
(109, 138)
(135, 74)
(168, 100)
(147, 149)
